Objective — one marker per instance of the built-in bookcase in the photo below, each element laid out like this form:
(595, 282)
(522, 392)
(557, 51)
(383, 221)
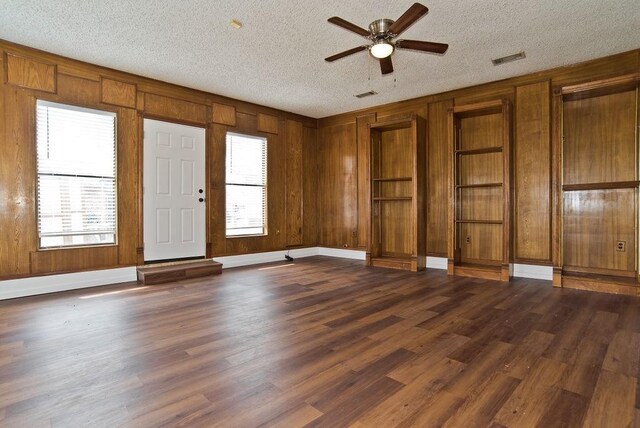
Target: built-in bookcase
(479, 177)
(397, 170)
(596, 166)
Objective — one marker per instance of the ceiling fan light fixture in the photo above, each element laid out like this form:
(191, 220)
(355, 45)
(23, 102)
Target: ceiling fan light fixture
(381, 49)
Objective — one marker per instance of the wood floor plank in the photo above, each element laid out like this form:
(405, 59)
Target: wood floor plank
(414, 396)
(567, 409)
(480, 369)
(321, 342)
(435, 412)
(623, 353)
(481, 406)
(583, 374)
(612, 402)
(532, 397)
(349, 410)
(435, 352)
(298, 416)
(525, 356)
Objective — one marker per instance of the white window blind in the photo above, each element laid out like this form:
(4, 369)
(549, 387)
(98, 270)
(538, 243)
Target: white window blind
(246, 185)
(76, 165)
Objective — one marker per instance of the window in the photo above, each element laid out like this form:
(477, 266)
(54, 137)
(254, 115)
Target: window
(76, 166)
(246, 185)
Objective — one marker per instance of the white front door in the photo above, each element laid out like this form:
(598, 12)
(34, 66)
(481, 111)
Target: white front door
(173, 182)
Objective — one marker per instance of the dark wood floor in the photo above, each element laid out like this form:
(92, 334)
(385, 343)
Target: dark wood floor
(321, 342)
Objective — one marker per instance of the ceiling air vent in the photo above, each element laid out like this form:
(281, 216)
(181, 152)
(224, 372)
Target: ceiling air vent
(508, 58)
(366, 94)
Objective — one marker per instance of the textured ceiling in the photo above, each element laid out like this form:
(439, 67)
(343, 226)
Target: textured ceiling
(277, 57)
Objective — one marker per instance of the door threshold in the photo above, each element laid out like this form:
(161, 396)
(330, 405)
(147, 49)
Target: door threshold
(168, 262)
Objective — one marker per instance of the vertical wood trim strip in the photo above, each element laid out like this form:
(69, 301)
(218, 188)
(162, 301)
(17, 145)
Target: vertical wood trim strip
(556, 226)
(451, 235)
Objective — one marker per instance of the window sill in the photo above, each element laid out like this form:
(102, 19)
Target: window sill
(76, 247)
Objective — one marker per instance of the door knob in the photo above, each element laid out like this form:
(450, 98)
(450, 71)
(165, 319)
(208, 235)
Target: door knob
(200, 199)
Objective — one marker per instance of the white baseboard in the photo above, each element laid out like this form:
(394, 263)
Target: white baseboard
(342, 253)
(519, 270)
(22, 287)
(258, 258)
(533, 271)
(436, 262)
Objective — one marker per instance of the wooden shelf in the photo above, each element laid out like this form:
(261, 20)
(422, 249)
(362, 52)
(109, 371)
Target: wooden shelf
(596, 146)
(473, 186)
(393, 198)
(393, 179)
(601, 186)
(397, 170)
(480, 151)
(480, 221)
(479, 129)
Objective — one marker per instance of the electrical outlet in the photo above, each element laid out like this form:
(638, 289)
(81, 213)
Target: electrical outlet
(621, 246)
(468, 240)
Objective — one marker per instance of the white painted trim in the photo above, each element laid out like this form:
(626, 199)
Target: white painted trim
(22, 287)
(258, 258)
(436, 262)
(533, 271)
(342, 253)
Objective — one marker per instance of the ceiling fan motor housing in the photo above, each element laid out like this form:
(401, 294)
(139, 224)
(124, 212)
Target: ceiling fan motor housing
(380, 29)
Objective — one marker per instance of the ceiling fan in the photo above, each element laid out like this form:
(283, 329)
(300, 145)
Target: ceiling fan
(382, 32)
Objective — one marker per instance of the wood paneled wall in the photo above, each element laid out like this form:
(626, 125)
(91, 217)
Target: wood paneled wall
(344, 184)
(318, 179)
(29, 75)
(338, 186)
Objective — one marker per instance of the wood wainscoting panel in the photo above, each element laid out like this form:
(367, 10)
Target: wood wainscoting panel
(118, 93)
(78, 91)
(29, 73)
(532, 172)
(480, 242)
(268, 123)
(337, 185)
(481, 203)
(599, 139)
(310, 186)
(480, 169)
(482, 131)
(364, 179)
(294, 182)
(594, 222)
(224, 114)
(396, 228)
(165, 107)
(74, 259)
(18, 229)
(128, 185)
(437, 184)
(217, 208)
(396, 154)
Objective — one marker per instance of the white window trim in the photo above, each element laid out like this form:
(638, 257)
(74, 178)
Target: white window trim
(265, 187)
(106, 113)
